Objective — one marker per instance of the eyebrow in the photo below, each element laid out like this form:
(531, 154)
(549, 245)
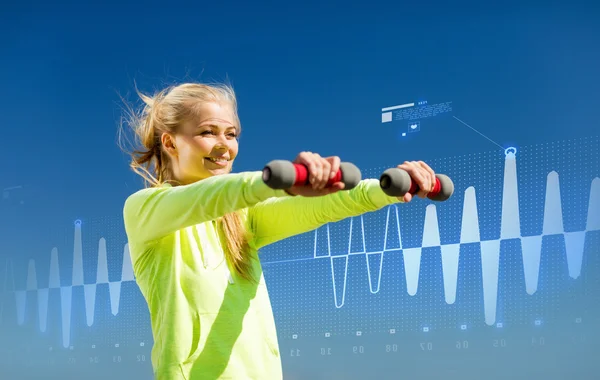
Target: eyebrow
(214, 126)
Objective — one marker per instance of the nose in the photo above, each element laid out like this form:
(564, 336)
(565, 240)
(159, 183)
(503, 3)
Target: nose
(221, 142)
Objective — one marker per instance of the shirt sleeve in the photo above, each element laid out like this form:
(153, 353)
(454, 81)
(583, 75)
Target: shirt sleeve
(276, 219)
(153, 213)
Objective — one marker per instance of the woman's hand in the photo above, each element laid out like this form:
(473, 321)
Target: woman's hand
(420, 173)
(320, 171)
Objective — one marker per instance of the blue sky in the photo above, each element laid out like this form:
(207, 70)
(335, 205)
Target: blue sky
(318, 73)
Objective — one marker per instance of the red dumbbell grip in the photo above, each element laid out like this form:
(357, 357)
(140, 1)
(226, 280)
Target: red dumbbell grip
(302, 176)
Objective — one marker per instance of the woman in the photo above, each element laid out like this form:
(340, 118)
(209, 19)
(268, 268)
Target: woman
(195, 231)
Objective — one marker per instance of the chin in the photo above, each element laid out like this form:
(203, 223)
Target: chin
(220, 171)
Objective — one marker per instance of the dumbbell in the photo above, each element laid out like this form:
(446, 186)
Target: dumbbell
(396, 182)
(282, 174)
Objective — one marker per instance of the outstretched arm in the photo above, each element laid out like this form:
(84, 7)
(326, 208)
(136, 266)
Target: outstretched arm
(153, 213)
(279, 218)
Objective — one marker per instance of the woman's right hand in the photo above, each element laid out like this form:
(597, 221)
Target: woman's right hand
(320, 171)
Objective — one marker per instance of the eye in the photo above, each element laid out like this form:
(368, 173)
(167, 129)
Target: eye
(208, 132)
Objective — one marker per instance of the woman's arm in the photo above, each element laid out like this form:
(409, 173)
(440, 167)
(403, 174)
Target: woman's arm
(277, 219)
(152, 213)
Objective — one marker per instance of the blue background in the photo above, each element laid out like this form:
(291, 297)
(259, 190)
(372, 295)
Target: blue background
(312, 76)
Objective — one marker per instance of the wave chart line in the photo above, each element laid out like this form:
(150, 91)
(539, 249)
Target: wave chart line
(66, 291)
(531, 246)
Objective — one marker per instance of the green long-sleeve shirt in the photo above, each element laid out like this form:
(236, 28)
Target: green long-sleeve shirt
(206, 322)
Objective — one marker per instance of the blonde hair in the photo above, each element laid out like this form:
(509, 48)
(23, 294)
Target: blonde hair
(166, 111)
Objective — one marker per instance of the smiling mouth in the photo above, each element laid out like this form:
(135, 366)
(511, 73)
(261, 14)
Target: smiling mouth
(219, 161)
(216, 159)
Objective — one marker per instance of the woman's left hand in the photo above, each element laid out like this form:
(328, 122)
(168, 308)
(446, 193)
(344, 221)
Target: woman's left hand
(420, 173)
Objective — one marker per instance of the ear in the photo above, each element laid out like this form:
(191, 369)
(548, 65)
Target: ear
(168, 143)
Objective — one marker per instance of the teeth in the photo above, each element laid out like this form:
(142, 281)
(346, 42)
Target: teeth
(213, 159)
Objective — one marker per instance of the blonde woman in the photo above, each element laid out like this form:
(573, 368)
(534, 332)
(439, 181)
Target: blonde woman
(195, 230)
